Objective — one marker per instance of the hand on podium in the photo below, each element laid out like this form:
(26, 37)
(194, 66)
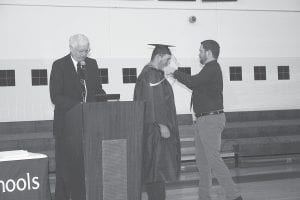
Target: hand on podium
(100, 91)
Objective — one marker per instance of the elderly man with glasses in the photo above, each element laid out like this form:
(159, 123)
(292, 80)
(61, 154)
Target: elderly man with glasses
(74, 79)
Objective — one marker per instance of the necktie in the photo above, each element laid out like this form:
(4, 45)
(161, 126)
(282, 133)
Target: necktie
(82, 82)
(80, 71)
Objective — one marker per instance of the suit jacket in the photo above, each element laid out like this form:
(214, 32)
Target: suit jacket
(65, 88)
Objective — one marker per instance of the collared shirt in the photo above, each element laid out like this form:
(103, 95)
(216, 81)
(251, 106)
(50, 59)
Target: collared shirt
(207, 87)
(75, 63)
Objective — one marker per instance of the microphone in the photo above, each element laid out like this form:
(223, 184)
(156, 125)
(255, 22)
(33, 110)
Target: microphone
(82, 63)
(83, 67)
(83, 81)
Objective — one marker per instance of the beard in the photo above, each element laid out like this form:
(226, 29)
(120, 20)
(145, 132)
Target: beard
(203, 60)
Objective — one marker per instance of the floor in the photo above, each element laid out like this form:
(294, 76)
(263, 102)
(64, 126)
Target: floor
(279, 187)
(287, 189)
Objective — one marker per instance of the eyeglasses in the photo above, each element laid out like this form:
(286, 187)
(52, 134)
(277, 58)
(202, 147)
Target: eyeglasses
(86, 51)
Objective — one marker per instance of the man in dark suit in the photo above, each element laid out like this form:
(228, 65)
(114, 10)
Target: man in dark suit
(74, 79)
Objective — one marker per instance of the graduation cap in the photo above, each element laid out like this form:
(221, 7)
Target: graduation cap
(160, 49)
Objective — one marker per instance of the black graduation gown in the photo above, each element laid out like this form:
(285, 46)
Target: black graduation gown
(161, 157)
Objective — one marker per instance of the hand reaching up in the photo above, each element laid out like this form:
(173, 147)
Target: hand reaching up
(172, 67)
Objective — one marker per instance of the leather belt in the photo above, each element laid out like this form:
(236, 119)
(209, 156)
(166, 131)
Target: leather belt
(209, 113)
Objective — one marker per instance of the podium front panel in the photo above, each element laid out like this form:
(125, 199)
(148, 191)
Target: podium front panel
(114, 169)
(109, 147)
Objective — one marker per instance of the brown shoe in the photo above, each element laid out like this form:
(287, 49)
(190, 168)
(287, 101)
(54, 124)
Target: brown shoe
(238, 198)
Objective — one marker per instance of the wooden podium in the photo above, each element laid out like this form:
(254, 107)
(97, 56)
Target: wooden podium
(104, 150)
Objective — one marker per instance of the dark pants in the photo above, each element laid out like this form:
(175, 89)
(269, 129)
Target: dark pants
(61, 189)
(156, 191)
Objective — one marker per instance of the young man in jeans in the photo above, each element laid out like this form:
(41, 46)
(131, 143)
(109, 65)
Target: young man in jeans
(207, 101)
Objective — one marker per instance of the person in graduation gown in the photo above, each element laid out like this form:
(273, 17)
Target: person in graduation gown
(161, 144)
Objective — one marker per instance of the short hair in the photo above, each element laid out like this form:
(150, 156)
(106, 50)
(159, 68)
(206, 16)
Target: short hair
(160, 50)
(213, 46)
(78, 39)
